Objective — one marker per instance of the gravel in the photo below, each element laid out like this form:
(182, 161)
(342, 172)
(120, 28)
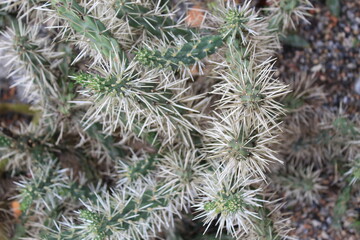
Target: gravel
(333, 54)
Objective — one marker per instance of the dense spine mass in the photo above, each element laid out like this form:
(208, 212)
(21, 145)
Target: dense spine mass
(84, 24)
(138, 16)
(128, 137)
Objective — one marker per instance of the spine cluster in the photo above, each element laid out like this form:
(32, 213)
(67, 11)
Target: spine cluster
(131, 138)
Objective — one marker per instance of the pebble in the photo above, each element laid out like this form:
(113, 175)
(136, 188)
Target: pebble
(351, 66)
(316, 223)
(316, 68)
(324, 235)
(357, 86)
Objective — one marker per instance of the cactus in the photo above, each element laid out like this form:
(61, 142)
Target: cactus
(228, 203)
(94, 30)
(41, 183)
(23, 150)
(138, 97)
(286, 14)
(354, 170)
(127, 139)
(138, 16)
(241, 147)
(25, 54)
(122, 221)
(50, 189)
(5, 141)
(188, 54)
(138, 169)
(301, 185)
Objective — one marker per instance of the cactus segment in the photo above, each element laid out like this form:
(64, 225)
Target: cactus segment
(136, 210)
(139, 16)
(141, 168)
(187, 54)
(31, 58)
(93, 29)
(100, 84)
(28, 52)
(42, 182)
(124, 89)
(37, 151)
(107, 142)
(5, 141)
(289, 5)
(226, 204)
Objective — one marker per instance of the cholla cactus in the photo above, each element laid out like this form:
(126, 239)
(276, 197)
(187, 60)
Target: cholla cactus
(232, 204)
(272, 224)
(127, 141)
(241, 146)
(122, 97)
(287, 13)
(239, 21)
(27, 56)
(137, 211)
(305, 99)
(354, 171)
(49, 189)
(249, 89)
(183, 172)
(23, 149)
(309, 142)
(302, 184)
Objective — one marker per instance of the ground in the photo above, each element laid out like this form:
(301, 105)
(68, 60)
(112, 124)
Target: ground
(333, 55)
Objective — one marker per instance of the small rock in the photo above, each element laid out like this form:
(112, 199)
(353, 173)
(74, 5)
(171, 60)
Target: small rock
(328, 220)
(357, 86)
(351, 65)
(316, 68)
(324, 235)
(316, 223)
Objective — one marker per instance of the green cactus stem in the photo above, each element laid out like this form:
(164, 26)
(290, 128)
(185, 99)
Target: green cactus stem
(5, 141)
(50, 184)
(241, 147)
(289, 5)
(93, 29)
(32, 146)
(99, 225)
(186, 55)
(139, 16)
(140, 209)
(107, 142)
(31, 55)
(112, 85)
(265, 227)
(227, 204)
(193, 51)
(42, 182)
(141, 168)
